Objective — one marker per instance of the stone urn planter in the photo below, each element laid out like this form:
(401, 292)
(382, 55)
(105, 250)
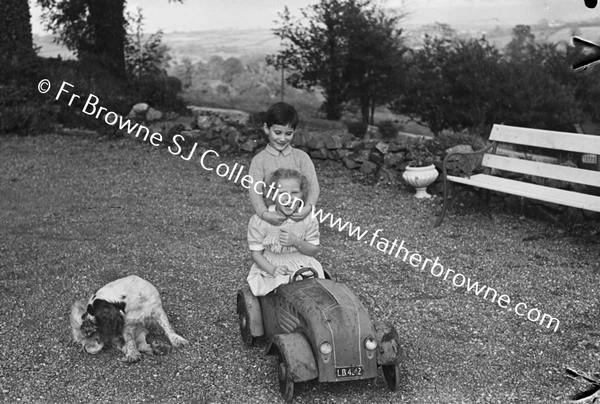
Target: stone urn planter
(420, 178)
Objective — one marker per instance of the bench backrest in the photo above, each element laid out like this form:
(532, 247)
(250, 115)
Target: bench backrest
(573, 142)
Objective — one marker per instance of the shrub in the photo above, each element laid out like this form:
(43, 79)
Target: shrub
(258, 118)
(387, 129)
(420, 154)
(24, 112)
(357, 128)
(442, 142)
(160, 91)
(87, 77)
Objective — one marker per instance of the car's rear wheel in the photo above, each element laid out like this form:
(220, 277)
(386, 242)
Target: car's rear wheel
(391, 374)
(244, 322)
(286, 384)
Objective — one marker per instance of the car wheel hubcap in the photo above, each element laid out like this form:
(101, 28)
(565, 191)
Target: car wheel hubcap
(282, 372)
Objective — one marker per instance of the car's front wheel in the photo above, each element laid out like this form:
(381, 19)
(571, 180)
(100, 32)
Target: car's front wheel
(244, 322)
(286, 384)
(391, 374)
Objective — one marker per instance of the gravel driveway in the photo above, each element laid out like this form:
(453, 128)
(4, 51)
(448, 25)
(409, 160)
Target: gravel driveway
(79, 211)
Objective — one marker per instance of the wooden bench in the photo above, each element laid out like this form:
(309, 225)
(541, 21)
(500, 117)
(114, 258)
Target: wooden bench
(493, 159)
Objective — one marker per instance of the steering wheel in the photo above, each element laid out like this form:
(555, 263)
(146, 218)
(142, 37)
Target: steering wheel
(304, 273)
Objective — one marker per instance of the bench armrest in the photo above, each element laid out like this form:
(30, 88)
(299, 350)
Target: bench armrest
(471, 163)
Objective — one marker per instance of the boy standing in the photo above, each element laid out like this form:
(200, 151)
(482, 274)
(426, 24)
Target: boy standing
(280, 124)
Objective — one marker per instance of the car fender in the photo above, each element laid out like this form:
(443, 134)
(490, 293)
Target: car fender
(387, 341)
(296, 349)
(253, 307)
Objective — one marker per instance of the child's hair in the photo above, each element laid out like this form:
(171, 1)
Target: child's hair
(285, 173)
(283, 114)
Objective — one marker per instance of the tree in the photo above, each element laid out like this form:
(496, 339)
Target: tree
(451, 84)
(315, 53)
(585, 86)
(144, 56)
(91, 28)
(375, 68)
(440, 30)
(184, 70)
(16, 41)
(530, 96)
(467, 84)
(522, 45)
(343, 47)
(230, 68)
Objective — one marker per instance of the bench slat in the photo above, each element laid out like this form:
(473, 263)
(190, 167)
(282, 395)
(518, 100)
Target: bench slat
(533, 191)
(554, 171)
(574, 142)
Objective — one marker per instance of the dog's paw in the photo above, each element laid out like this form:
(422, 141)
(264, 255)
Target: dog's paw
(161, 348)
(132, 356)
(178, 341)
(146, 349)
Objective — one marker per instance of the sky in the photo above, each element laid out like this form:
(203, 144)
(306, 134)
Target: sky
(200, 15)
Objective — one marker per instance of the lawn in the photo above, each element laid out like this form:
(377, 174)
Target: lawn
(78, 211)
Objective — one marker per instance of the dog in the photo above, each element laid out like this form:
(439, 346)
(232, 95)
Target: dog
(118, 314)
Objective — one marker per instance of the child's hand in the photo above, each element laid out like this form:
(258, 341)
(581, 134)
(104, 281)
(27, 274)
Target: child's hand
(282, 270)
(301, 214)
(274, 218)
(287, 238)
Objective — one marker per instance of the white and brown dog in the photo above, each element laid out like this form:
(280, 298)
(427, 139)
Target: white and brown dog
(118, 313)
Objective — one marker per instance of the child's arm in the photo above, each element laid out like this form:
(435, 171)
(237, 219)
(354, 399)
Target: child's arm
(301, 214)
(258, 204)
(266, 266)
(257, 201)
(308, 170)
(289, 239)
(256, 235)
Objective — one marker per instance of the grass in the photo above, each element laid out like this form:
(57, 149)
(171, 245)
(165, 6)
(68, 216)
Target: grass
(79, 211)
(306, 103)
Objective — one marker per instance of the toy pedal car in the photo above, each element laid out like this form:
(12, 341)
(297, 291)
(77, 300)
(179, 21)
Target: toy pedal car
(319, 329)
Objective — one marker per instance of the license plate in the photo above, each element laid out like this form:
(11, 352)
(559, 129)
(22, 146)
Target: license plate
(349, 371)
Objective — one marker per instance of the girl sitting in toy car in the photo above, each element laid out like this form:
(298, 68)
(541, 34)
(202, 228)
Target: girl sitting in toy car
(279, 251)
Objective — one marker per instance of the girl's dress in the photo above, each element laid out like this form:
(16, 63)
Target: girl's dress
(264, 236)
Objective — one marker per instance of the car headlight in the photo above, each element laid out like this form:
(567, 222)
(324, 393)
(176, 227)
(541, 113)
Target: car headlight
(325, 348)
(370, 343)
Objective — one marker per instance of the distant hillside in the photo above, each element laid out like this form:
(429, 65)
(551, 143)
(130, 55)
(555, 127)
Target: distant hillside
(202, 45)
(565, 34)
(500, 35)
(196, 46)
(49, 49)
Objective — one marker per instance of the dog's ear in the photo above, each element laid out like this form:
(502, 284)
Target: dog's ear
(78, 310)
(109, 317)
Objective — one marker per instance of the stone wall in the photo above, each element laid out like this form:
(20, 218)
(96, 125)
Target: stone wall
(380, 160)
(232, 131)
